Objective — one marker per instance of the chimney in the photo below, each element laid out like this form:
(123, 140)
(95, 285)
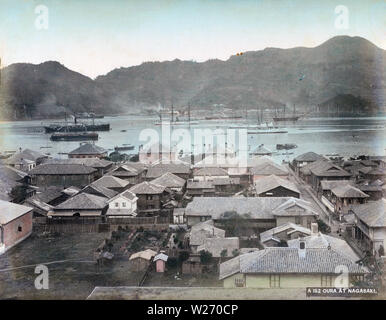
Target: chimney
(314, 229)
(302, 249)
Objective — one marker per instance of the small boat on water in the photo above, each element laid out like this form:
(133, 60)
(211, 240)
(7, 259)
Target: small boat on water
(86, 115)
(124, 148)
(72, 136)
(267, 131)
(286, 146)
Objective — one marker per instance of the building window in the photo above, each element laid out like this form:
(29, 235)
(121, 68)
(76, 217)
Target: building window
(239, 282)
(274, 281)
(19, 229)
(149, 197)
(123, 204)
(327, 281)
(298, 220)
(116, 204)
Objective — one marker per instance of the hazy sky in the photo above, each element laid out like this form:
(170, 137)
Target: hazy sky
(95, 36)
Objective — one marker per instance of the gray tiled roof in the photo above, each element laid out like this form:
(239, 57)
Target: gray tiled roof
(372, 213)
(25, 154)
(309, 157)
(262, 150)
(10, 211)
(199, 185)
(61, 169)
(90, 162)
(88, 148)
(331, 184)
(271, 182)
(287, 227)
(328, 169)
(295, 207)
(211, 171)
(284, 260)
(110, 182)
(216, 245)
(225, 181)
(158, 170)
(83, 201)
(170, 180)
(204, 230)
(253, 208)
(348, 191)
(147, 188)
(321, 240)
(105, 192)
(308, 167)
(269, 168)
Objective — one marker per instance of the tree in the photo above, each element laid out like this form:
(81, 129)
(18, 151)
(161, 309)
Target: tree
(183, 256)
(235, 253)
(224, 253)
(205, 257)
(171, 262)
(381, 251)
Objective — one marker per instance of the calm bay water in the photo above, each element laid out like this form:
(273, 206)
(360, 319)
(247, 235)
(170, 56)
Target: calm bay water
(345, 136)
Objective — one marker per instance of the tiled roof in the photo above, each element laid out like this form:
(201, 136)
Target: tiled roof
(126, 194)
(211, 171)
(88, 148)
(225, 181)
(48, 194)
(158, 170)
(25, 154)
(216, 245)
(262, 150)
(161, 256)
(269, 168)
(100, 190)
(90, 162)
(331, 184)
(321, 240)
(83, 201)
(328, 169)
(287, 227)
(147, 188)
(308, 167)
(348, 191)
(199, 185)
(252, 207)
(271, 182)
(170, 180)
(372, 213)
(201, 231)
(61, 169)
(10, 211)
(110, 182)
(309, 157)
(284, 260)
(295, 207)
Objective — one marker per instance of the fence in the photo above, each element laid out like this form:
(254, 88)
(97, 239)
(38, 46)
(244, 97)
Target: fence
(96, 224)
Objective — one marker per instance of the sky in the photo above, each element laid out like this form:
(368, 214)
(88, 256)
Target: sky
(94, 36)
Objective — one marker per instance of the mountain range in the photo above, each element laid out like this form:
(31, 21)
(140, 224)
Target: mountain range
(324, 75)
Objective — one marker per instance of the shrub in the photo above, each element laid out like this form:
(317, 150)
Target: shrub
(205, 257)
(171, 262)
(183, 256)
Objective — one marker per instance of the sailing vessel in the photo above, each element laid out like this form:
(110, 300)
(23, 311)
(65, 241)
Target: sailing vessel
(294, 117)
(76, 127)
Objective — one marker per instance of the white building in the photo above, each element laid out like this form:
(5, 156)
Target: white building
(123, 205)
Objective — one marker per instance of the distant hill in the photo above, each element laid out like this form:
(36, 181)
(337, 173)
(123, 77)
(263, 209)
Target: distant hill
(47, 89)
(271, 77)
